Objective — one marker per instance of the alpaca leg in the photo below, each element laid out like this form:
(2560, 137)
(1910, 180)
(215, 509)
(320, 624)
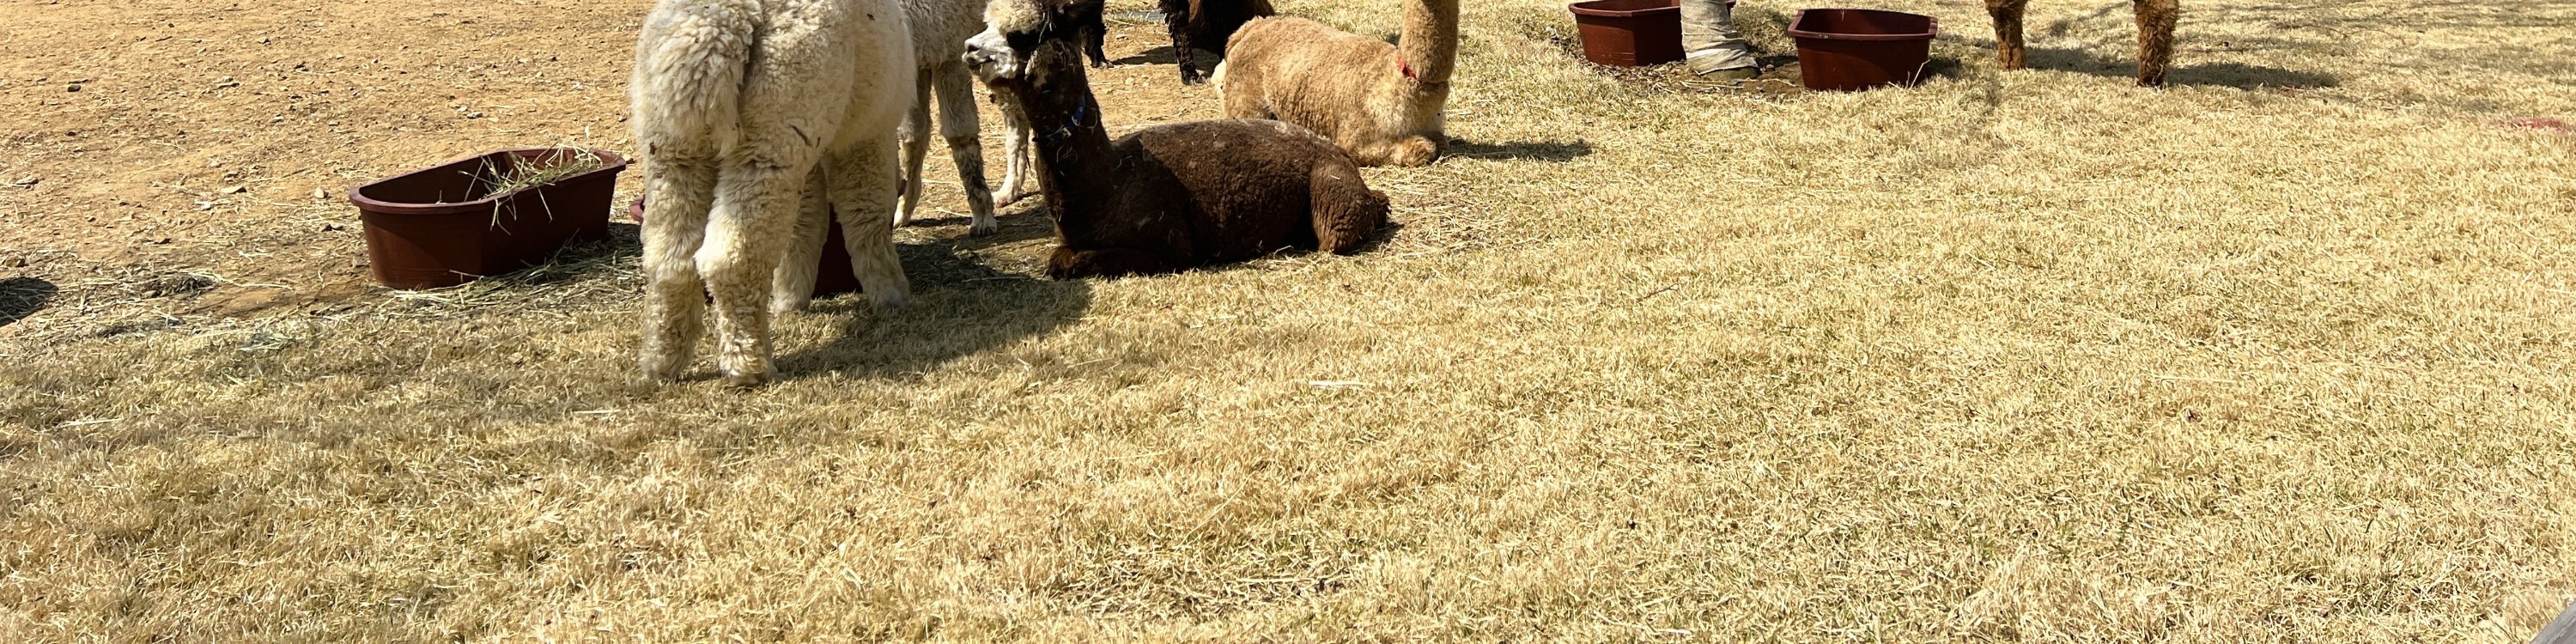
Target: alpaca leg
(1346, 211)
(1240, 91)
(2008, 41)
(679, 189)
(2156, 19)
(794, 284)
(1094, 34)
(863, 189)
(1413, 151)
(958, 124)
(1015, 153)
(1177, 20)
(1409, 151)
(747, 235)
(914, 134)
(1069, 264)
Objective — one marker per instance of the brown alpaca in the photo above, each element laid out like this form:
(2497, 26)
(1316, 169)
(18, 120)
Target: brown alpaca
(1206, 23)
(1169, 197)
(1381, 102)
(2156, 20)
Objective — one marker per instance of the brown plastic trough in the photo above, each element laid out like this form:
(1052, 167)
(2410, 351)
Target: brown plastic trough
(443, 226)
(1629, 33)
(1857, 49)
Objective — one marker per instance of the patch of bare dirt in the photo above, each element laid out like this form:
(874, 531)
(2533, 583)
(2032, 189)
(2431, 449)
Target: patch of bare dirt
(146, 138)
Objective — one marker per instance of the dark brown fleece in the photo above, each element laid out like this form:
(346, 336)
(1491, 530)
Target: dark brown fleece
(1177, 196)
(1209, 24)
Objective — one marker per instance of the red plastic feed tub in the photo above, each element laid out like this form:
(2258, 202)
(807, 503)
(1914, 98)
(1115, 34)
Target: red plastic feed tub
(1629, 33)
(1857, 49)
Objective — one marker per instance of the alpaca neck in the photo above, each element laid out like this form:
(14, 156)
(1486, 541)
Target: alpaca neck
(1429, 46)
(1075, 159)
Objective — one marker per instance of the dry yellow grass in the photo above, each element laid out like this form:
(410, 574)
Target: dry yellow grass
(2009, 357)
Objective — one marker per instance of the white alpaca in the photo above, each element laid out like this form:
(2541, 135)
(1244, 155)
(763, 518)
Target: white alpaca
(939, 32)
(739, 105)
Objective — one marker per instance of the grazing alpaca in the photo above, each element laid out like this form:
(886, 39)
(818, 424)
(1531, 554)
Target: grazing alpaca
(1381, 102)
(753, 114)
(1207, 23)
(2156, 20)
(939, 32)
(1168, 197)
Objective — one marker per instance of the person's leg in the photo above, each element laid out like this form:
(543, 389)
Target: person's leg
(1710, 40)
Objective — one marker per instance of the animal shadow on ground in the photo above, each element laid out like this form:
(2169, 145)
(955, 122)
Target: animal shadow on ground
(2227, 74)
(1545, 151)
(969, 294)
(1163, 56)
(625, 240)
(23, 296)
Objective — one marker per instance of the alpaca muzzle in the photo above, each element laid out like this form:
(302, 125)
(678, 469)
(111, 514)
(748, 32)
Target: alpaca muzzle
(990, 56)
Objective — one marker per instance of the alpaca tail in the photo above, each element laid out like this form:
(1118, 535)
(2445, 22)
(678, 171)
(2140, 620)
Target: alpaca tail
(689, 68)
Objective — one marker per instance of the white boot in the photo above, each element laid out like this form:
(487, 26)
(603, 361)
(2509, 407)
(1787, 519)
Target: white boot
(1710, 40)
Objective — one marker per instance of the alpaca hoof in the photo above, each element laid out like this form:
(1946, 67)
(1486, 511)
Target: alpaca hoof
(1001, 200)
(1415, 153)
(659, 370)
(751, 377)
(889, 299)
(782, 303)
(984, 225)
(1192, 78)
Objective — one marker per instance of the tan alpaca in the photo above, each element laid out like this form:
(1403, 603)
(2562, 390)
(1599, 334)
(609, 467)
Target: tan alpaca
(1379, 102)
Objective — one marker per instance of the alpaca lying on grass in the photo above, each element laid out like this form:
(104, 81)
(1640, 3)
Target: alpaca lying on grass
(1207, 23)
(1168, 197)
(939, 31)
(2156, 19)
(751, 116)
(1380, 102)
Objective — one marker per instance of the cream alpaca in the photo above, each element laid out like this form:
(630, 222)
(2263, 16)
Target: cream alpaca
(1380, 102)
(752, 114)
(939, 32)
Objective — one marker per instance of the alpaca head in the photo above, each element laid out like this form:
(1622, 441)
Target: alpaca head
(1023, 38)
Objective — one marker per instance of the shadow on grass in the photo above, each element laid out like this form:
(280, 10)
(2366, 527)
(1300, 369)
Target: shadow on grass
(1156, 56)
(1544, 151)
(23, 296)
(969, 295)
(1205, 60)
(2229, 74)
